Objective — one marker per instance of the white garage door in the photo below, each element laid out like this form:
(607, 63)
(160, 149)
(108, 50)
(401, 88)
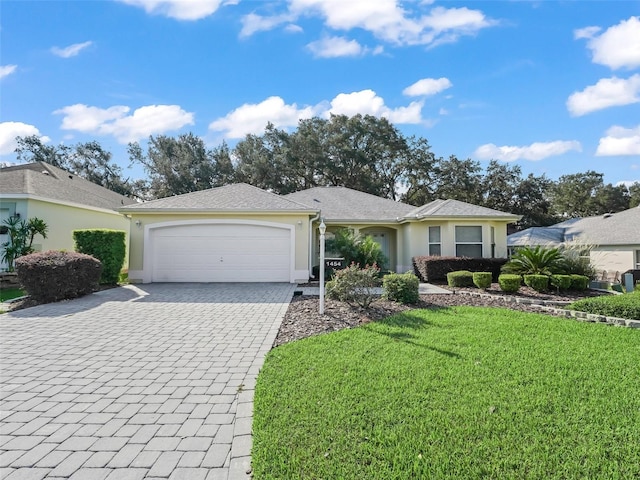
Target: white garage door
(221, 253)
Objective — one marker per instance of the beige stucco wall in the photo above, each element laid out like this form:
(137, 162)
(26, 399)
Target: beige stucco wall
(614, 258)
(416, 238)
(63, 219)
(300, 222)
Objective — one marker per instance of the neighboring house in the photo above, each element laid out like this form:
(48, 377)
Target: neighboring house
(613, 239)
(242, 233)
(63, 200)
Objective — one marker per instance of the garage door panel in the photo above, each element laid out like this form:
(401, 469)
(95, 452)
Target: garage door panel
(221, 253)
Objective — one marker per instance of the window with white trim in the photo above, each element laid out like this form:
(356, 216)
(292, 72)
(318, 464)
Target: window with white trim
(435, 245)
(469, 241)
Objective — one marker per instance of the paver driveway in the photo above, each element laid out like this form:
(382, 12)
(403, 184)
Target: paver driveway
(151, 381)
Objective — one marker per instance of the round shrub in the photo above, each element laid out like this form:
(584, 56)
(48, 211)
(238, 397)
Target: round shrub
(540, 283)
(561, 282)
(482, 280)
(401, 288)
(51, 276)
(509, 282)
(579, 282)
(461, 278)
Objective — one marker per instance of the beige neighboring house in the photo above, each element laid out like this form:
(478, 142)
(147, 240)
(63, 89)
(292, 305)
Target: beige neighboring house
(613, 238)
(240, 233)
(63, 200)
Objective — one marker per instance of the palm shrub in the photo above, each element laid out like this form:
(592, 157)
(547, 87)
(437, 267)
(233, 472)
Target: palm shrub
(535, 261)
(356, 248)
(482, 280)
(21, 235)
(509, 282)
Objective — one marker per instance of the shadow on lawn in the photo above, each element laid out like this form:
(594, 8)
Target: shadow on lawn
(408, 321)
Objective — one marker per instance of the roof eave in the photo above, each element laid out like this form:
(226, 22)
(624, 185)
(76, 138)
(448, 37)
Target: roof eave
(174, 210)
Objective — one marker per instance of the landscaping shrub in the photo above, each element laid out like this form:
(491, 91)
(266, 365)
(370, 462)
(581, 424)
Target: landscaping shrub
(21, 234)
(535, 261)
(540, 283)
(561, 282)
(401, 288)
(354, 285)
(621, 306)
(509, 282)
(461, 278)
(482, 280)
(579, 282)
(356, 248)
(51, 276)
(108, 246)
(435, 268)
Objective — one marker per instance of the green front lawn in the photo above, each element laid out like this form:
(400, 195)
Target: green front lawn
(10, 293)
(452, 393)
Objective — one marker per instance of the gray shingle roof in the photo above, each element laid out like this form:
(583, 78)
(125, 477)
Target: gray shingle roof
(622, 228)
(341, 203)
(544, 236)
(456, 208)
(46, 181)
(239, 197)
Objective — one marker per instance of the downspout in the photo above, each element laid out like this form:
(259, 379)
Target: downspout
(311, 244)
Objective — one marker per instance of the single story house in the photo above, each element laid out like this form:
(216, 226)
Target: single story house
(612, 239)
(63, 200)
(240, 233)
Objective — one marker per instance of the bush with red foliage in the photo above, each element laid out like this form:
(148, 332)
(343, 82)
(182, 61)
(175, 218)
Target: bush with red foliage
(52, 275)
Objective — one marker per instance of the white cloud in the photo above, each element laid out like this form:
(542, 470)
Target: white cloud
(145, 121)
(71, 50)
(252, 118)
(620, 141)
(427, 87)
(332, 47)
(387, 20)
(617, 47)
(253, 23)
(10, 130)
(366, 102)
(179, 9)
(6, 70)
(608, 92)
(535, 151)
(586, 32)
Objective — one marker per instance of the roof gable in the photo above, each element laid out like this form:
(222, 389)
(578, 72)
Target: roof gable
(456, 208)
(239, 197)
(341, 203)
(42, 180)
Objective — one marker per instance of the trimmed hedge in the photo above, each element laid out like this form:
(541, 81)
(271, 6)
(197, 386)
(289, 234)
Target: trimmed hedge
(401, 287)
(621, 306)
(434, 268)
(509, 282)
(461, 278)
(482, 280)
(51, 276)
(540, 283)
(579, 282)
(561, 282)
(108, 246)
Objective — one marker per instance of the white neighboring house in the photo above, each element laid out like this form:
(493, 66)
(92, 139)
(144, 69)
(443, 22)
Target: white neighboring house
(614, 237)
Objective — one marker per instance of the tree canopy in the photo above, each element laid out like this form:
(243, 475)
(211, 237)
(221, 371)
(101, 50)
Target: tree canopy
(362, 152)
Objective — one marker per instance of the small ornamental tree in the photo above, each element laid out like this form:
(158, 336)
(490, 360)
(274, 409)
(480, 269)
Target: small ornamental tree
(21, 235)
(108, 246)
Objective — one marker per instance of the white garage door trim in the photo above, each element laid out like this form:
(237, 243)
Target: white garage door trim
(147, 271)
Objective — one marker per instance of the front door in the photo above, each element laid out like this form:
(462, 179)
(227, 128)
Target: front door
(382, 239)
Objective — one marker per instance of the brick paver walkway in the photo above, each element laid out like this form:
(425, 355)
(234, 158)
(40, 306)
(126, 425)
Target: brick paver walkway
(150, 381)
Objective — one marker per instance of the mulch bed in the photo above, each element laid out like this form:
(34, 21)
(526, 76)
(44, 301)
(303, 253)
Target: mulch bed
(303, 320)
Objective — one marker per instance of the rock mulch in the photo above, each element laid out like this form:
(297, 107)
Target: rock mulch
(303, 320)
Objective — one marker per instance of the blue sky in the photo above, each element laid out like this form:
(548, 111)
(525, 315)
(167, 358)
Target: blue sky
(553, 87)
